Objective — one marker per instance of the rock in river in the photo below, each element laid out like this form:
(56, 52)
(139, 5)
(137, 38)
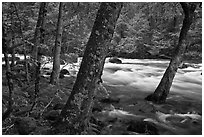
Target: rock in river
(142, 127)
(115, 60)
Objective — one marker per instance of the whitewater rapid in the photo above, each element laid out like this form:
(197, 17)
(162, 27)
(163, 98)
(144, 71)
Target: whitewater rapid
(145, 74)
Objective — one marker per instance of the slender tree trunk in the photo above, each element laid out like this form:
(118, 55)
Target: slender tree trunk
(24, 45)
(8, 72)
(36, 55)
(77, 110)
(26, 65)
(12, 39)
(54, 78)
(38, 35)
(38, 38)
(12, 58)
(162, 91)
(38, 29)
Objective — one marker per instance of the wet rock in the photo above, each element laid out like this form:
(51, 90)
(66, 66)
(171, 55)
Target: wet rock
(25, 125)
(45, 68)
(110, 100)
(64, 72)
(142, 127)
(183, 65)
(62, 62)
(115, 60)
(52, 115)
(48, 73)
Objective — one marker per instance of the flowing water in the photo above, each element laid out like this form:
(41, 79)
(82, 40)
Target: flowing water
(145, 74)
(134, 79)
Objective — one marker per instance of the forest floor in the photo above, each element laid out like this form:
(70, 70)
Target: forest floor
(124, 112)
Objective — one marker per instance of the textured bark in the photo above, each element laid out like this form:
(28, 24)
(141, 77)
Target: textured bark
(76, 112)
(162, 91)
(24, 45)
(12, 59)
(38, 40)
(9, 80)
(38, 30)
(54, 78)
(12, 39)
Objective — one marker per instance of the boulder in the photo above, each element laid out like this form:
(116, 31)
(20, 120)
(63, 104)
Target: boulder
(183, 65)
(110, 100)
(64, 72)
(62, 62)
(25, 125)
(48, 73)
(142, 127)
(46, 69)
(115, 60)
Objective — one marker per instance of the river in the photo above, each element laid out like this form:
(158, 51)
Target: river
(145, 74)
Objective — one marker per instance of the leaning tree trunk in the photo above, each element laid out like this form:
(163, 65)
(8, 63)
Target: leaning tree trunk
(77, 110)
(162, 91)
(54, 78)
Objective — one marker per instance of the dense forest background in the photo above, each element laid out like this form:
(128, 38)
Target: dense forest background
(143, 30)
(37, 99)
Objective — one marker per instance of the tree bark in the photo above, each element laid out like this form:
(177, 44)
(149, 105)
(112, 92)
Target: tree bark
(54, 78)
(77, 110)
(38, 37)
(38, 29)
(8, 71)
(162, 91)
(24, 45)
(38, 40)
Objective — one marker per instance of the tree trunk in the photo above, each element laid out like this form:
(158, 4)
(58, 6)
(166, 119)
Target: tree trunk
(12, 58)
(38, 36)
(38, 39)
(24, 45)
(54, 78)
(39, 27)
(77, 110)
(8, 71)
(26, 65)
(161, 92)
